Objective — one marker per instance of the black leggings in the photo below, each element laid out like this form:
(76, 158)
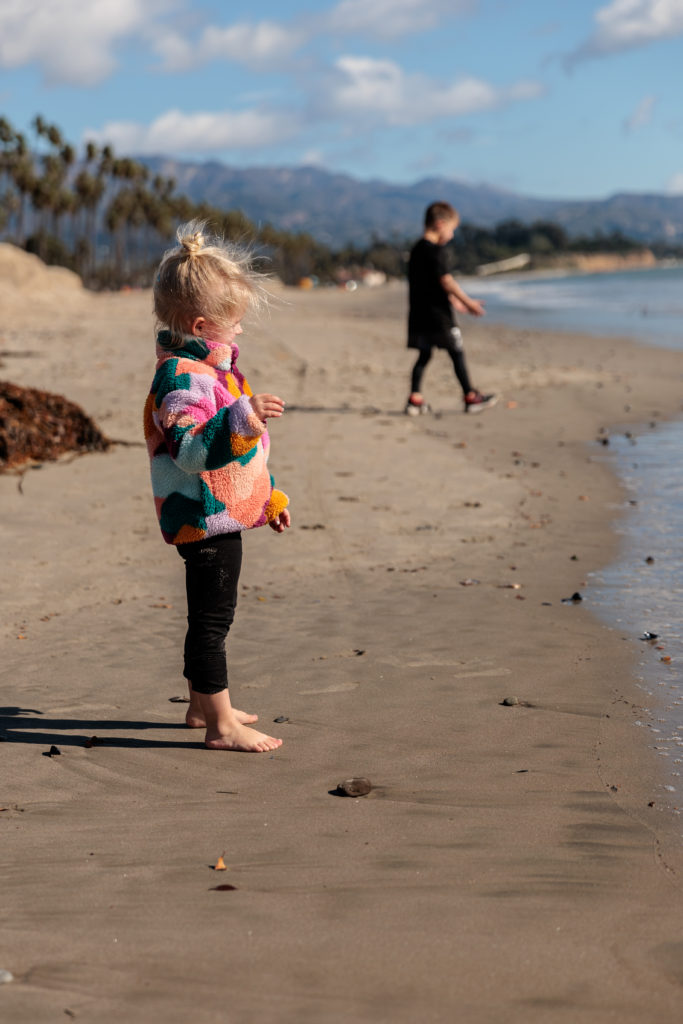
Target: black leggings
(458, 359)
(212, 571)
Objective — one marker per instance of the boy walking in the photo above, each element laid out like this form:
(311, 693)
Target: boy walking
(434, 294)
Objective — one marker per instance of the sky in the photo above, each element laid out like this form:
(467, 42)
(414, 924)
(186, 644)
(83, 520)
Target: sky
(572, 99)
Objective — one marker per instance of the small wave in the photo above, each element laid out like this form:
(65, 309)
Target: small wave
(643, 305)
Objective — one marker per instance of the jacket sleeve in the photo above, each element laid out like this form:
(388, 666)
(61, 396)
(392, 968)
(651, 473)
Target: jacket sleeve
(198, 436)
(277, 502)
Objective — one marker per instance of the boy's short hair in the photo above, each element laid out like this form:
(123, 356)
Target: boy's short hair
(440, 211)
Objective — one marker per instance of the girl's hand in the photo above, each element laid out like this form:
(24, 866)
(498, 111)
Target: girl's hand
(267, 405)
(282, 522)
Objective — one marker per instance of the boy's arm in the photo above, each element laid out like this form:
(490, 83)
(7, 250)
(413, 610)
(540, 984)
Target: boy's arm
(459, 297)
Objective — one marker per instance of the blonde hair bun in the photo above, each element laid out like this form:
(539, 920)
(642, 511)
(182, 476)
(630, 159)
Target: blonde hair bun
(205, 276)
(191, 243)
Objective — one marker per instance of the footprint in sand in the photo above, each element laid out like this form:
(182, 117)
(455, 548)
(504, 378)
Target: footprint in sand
(482, 672)
(335, 688)
(467, 670)
(425, 661)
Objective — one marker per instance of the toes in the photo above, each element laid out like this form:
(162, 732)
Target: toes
(268, 743)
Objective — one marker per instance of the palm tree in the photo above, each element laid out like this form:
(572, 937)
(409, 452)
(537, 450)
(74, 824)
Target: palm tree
(23, 178)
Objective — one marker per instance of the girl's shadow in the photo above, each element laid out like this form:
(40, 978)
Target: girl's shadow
(17, 725)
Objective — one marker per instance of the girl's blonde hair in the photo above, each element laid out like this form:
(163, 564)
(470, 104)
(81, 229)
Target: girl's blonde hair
(204, 276)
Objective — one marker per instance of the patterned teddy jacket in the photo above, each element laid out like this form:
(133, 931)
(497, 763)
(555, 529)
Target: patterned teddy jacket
(208, 449)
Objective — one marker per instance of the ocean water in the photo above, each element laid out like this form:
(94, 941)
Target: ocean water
(642, 592)
(642, 304)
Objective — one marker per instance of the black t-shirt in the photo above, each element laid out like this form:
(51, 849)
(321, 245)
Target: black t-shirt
(430, 309)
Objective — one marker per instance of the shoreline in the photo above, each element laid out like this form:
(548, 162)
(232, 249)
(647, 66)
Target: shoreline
(659, 263)
(494, 872)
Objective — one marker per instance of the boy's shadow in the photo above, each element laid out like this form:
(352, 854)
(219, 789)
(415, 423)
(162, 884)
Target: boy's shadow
(17, 725)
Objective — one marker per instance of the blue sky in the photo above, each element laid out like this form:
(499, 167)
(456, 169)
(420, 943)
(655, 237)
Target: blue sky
(569, 99)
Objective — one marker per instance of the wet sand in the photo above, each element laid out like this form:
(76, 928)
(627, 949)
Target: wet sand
(507, 866)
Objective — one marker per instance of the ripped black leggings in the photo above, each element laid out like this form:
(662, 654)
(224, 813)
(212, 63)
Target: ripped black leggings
(457, 358)
(212, 572)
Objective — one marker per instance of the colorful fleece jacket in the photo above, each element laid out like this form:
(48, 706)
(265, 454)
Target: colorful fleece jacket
(208, 448)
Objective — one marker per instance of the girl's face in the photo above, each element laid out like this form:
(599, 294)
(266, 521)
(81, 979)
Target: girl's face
(222, 335)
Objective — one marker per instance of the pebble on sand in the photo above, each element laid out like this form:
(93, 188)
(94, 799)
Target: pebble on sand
(354, 787)
(6, 977)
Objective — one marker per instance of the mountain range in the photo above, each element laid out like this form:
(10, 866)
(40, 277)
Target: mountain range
(337, 208)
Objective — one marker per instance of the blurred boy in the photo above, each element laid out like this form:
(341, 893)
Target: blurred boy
(434, 294)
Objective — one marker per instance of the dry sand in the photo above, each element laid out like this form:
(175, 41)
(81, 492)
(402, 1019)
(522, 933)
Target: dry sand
(507, 866)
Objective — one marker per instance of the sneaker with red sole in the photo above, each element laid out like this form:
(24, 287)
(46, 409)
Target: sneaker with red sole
(419, 408)
(476, 402)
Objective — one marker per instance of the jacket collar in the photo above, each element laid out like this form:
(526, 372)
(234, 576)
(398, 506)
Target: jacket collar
(190, 347)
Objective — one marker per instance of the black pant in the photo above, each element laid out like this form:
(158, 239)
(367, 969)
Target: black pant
(212, 571)
(453, 346)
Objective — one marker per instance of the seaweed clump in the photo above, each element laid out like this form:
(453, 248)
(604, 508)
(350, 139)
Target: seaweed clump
(37, 426)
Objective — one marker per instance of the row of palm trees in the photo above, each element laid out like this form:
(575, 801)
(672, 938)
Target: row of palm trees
(108, 218)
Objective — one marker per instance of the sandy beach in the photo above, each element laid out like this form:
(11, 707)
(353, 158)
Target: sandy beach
(512, 863)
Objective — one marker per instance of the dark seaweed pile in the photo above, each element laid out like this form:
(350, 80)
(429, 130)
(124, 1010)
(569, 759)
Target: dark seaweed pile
(37, 426)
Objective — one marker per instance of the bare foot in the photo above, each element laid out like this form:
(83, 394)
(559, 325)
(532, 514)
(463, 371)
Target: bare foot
(194, 719)
(241, 738)
(224, 731)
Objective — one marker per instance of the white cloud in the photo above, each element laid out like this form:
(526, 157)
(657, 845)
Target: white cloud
(675, 184)
(257, 45)
(380, 89)
(391, 18)
(625, 24)
(73, 41)
(313, 158)
(641, 116)
(200, 133)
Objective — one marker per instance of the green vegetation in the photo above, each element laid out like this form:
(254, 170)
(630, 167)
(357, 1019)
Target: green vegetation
(541, 240)
(108, 218)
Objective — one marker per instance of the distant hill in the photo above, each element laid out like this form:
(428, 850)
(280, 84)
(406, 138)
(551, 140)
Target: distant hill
(336, 208)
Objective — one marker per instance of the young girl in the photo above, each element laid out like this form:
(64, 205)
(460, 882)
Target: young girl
(208, 445)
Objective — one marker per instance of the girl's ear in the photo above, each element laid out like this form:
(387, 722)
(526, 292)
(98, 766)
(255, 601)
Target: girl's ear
(198, 327)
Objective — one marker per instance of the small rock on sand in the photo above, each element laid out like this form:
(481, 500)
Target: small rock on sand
(354, 787)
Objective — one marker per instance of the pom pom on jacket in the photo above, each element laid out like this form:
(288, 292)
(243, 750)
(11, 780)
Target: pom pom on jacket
(208, 449)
